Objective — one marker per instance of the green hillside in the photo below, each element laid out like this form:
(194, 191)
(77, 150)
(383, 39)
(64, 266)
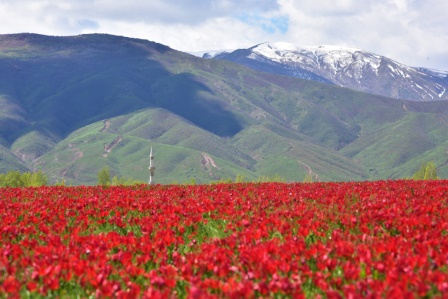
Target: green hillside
(72, 105)
(9, 161)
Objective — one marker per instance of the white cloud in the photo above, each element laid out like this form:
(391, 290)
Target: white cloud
(217, 33)
(141, 11)
(410, 31)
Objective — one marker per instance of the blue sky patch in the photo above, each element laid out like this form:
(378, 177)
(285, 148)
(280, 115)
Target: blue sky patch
(270, 25)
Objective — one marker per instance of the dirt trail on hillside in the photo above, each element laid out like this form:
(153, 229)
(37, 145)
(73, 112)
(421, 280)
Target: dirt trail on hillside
(308, 169)
(108, 147)
(207, 161)
(106, 125)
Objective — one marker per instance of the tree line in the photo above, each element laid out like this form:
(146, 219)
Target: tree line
(428, 171)
(14, 178)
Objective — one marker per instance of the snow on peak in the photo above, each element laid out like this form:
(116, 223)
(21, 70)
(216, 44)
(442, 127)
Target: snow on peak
(291, 47)
(332, 58)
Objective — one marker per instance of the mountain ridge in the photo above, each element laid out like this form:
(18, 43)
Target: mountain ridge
(58, 93)
(344, 66)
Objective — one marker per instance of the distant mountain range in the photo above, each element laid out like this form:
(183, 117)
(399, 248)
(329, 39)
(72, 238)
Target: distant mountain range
(71, 105)
(347, 67)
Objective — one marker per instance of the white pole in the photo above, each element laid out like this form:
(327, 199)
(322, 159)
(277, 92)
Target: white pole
(152, 169)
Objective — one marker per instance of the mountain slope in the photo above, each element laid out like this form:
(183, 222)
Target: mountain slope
(71, 105)
(347, 67)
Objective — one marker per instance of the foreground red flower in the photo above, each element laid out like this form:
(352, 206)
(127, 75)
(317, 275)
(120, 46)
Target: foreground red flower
(336, 240)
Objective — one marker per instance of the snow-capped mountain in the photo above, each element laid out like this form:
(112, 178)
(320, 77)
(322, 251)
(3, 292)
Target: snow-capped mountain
(348, 67)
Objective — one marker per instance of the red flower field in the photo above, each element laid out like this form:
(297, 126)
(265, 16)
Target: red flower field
(334, 240)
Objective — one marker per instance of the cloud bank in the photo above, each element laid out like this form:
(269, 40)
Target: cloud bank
(413, 32)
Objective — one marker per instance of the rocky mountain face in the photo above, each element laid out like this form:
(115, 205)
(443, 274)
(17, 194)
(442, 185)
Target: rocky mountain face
(347, 67)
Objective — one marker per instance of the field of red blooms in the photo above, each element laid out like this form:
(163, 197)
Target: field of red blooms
(334, 240)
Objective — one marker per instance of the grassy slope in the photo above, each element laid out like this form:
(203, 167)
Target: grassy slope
(79, 157)
(397, 149)
(277, 154)
(8, 161)
(180, 148)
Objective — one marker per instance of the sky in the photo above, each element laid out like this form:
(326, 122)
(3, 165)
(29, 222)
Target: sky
(413, 32)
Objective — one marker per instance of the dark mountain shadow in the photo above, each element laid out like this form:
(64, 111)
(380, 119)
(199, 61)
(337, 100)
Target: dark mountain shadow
(185, 96)
(65, 83)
